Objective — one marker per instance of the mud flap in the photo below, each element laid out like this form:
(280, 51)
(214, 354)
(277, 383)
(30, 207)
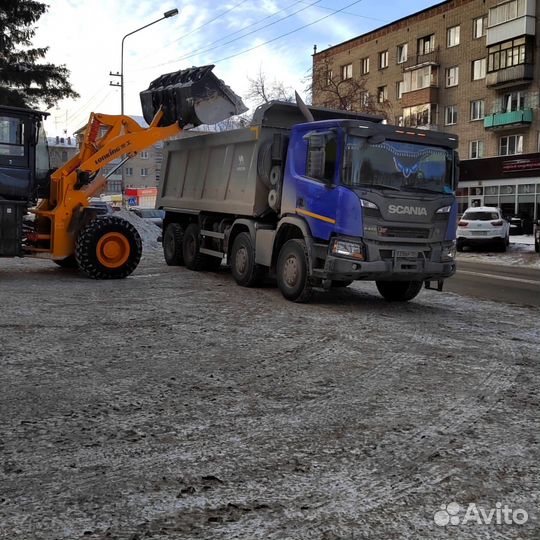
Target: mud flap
(191, 97)
(440, 283)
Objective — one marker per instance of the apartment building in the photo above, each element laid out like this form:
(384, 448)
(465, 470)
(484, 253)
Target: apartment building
(61, 150)
(468, 67)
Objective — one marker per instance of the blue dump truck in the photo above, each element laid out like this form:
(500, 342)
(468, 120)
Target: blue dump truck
(315, 197)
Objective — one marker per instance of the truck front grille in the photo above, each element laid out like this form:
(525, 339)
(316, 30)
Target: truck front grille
(402, 232)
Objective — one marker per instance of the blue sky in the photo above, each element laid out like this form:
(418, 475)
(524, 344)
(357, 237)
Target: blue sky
(241, 36)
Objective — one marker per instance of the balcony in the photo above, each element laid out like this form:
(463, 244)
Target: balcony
(510, 76)
(420, 60)
(508, 119)
(418, 97)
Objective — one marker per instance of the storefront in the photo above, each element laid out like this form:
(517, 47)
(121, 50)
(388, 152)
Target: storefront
(511, 182)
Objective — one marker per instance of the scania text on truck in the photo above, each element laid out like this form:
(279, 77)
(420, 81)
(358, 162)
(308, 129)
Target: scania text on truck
(316, 203)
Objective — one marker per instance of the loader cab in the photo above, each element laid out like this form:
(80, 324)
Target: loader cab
(24, 159)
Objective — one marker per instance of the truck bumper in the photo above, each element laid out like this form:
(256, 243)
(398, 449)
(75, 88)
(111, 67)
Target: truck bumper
(339, 268)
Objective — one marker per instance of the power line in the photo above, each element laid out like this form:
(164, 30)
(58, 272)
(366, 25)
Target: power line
(353, 14)
(85, 104)
(207, 49)
(334, 12)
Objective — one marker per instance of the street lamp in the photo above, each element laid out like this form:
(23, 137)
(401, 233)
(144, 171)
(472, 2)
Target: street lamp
(166, 15)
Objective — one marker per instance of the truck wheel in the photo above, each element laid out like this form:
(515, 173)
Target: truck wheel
(108, 247)
(460, 244)
(68, 263)
(502, 245)
(399, 291)
(172, 244)
(292, 271)
(243, 267)
(191, 243)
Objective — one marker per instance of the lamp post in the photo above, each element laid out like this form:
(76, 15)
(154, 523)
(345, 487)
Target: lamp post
(166, 15)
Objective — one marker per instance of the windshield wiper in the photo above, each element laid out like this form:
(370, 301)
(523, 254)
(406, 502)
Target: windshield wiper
(383, 186)
(417, 188)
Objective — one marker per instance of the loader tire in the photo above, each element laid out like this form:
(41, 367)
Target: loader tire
(398, 291)
(172, 244)
(108, 247)
(67, 263)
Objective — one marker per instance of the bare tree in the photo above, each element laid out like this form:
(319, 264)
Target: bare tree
(263, 90)
(332, 90)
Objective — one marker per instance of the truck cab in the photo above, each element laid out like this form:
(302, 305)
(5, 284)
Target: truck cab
(379, 198)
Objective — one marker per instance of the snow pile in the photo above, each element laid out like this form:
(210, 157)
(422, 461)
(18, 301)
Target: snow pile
(520, 252)
(149, 231)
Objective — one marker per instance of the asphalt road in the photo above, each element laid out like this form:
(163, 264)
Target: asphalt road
(509, 284)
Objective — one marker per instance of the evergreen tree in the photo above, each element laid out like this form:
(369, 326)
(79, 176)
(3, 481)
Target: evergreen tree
(24, 82)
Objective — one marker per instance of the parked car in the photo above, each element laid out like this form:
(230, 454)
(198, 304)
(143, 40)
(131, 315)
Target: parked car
(516, 225)
(151, 214)
(483, 225)
(102, 207)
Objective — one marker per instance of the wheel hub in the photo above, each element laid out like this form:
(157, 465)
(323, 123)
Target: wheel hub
(290, 271)
(113, 250)
(241, 260)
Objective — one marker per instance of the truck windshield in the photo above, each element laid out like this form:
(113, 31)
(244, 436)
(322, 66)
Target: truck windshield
(397, 165)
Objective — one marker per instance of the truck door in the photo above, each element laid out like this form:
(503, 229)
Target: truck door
(316, 192)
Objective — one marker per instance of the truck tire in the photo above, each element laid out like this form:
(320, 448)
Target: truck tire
(173, 245)
(108, 247)
(67, 263)
(293, 271)
(243, 267)
(191, 244)
(399, 291)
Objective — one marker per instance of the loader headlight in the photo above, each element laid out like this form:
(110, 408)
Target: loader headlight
(448, 252)
(348, 248)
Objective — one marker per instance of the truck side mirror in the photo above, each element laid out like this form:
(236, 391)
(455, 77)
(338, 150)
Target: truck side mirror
(318, 166)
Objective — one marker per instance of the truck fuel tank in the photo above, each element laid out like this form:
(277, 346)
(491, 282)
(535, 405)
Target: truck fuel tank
(191, 97)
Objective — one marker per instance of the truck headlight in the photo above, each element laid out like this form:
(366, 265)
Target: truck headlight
(347, 248)
(448, 252)
(444, 210)
(368, 204)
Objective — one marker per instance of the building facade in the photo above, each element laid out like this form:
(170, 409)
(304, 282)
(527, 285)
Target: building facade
(468, 67)
(61, 150)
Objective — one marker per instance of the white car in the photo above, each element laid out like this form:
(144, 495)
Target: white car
(483, 225)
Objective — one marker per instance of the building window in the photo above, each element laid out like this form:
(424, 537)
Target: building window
(144, 172)
(64, 156)
(399, 89)
(346, 72)
(383, 59)
(418, 79)
(329, 77)
(382, 94)
(452, 36)
(365, 65)
(426, 44)
(479, 27)
(402, 53)
(476, 149)
(509, 53)
(477, 109)
(364, 98)
(452, 76)
(450, 115)
(513, 101)
(479, 69)
(420, 116)
(513, 144)
(143, 154)
(128, 171)
(507, 12)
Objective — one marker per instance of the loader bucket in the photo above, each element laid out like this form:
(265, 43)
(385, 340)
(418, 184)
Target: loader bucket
(191, 97)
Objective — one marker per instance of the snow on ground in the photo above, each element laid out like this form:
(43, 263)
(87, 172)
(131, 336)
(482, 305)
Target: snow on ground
(149, 231)
(520, 252)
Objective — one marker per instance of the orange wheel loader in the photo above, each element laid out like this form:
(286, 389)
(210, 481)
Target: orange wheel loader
(50, 216)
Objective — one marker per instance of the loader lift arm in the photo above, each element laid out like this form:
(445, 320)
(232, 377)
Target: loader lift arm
(106, 138)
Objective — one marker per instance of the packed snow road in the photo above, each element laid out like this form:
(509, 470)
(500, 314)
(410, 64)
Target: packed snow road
(176, 405)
